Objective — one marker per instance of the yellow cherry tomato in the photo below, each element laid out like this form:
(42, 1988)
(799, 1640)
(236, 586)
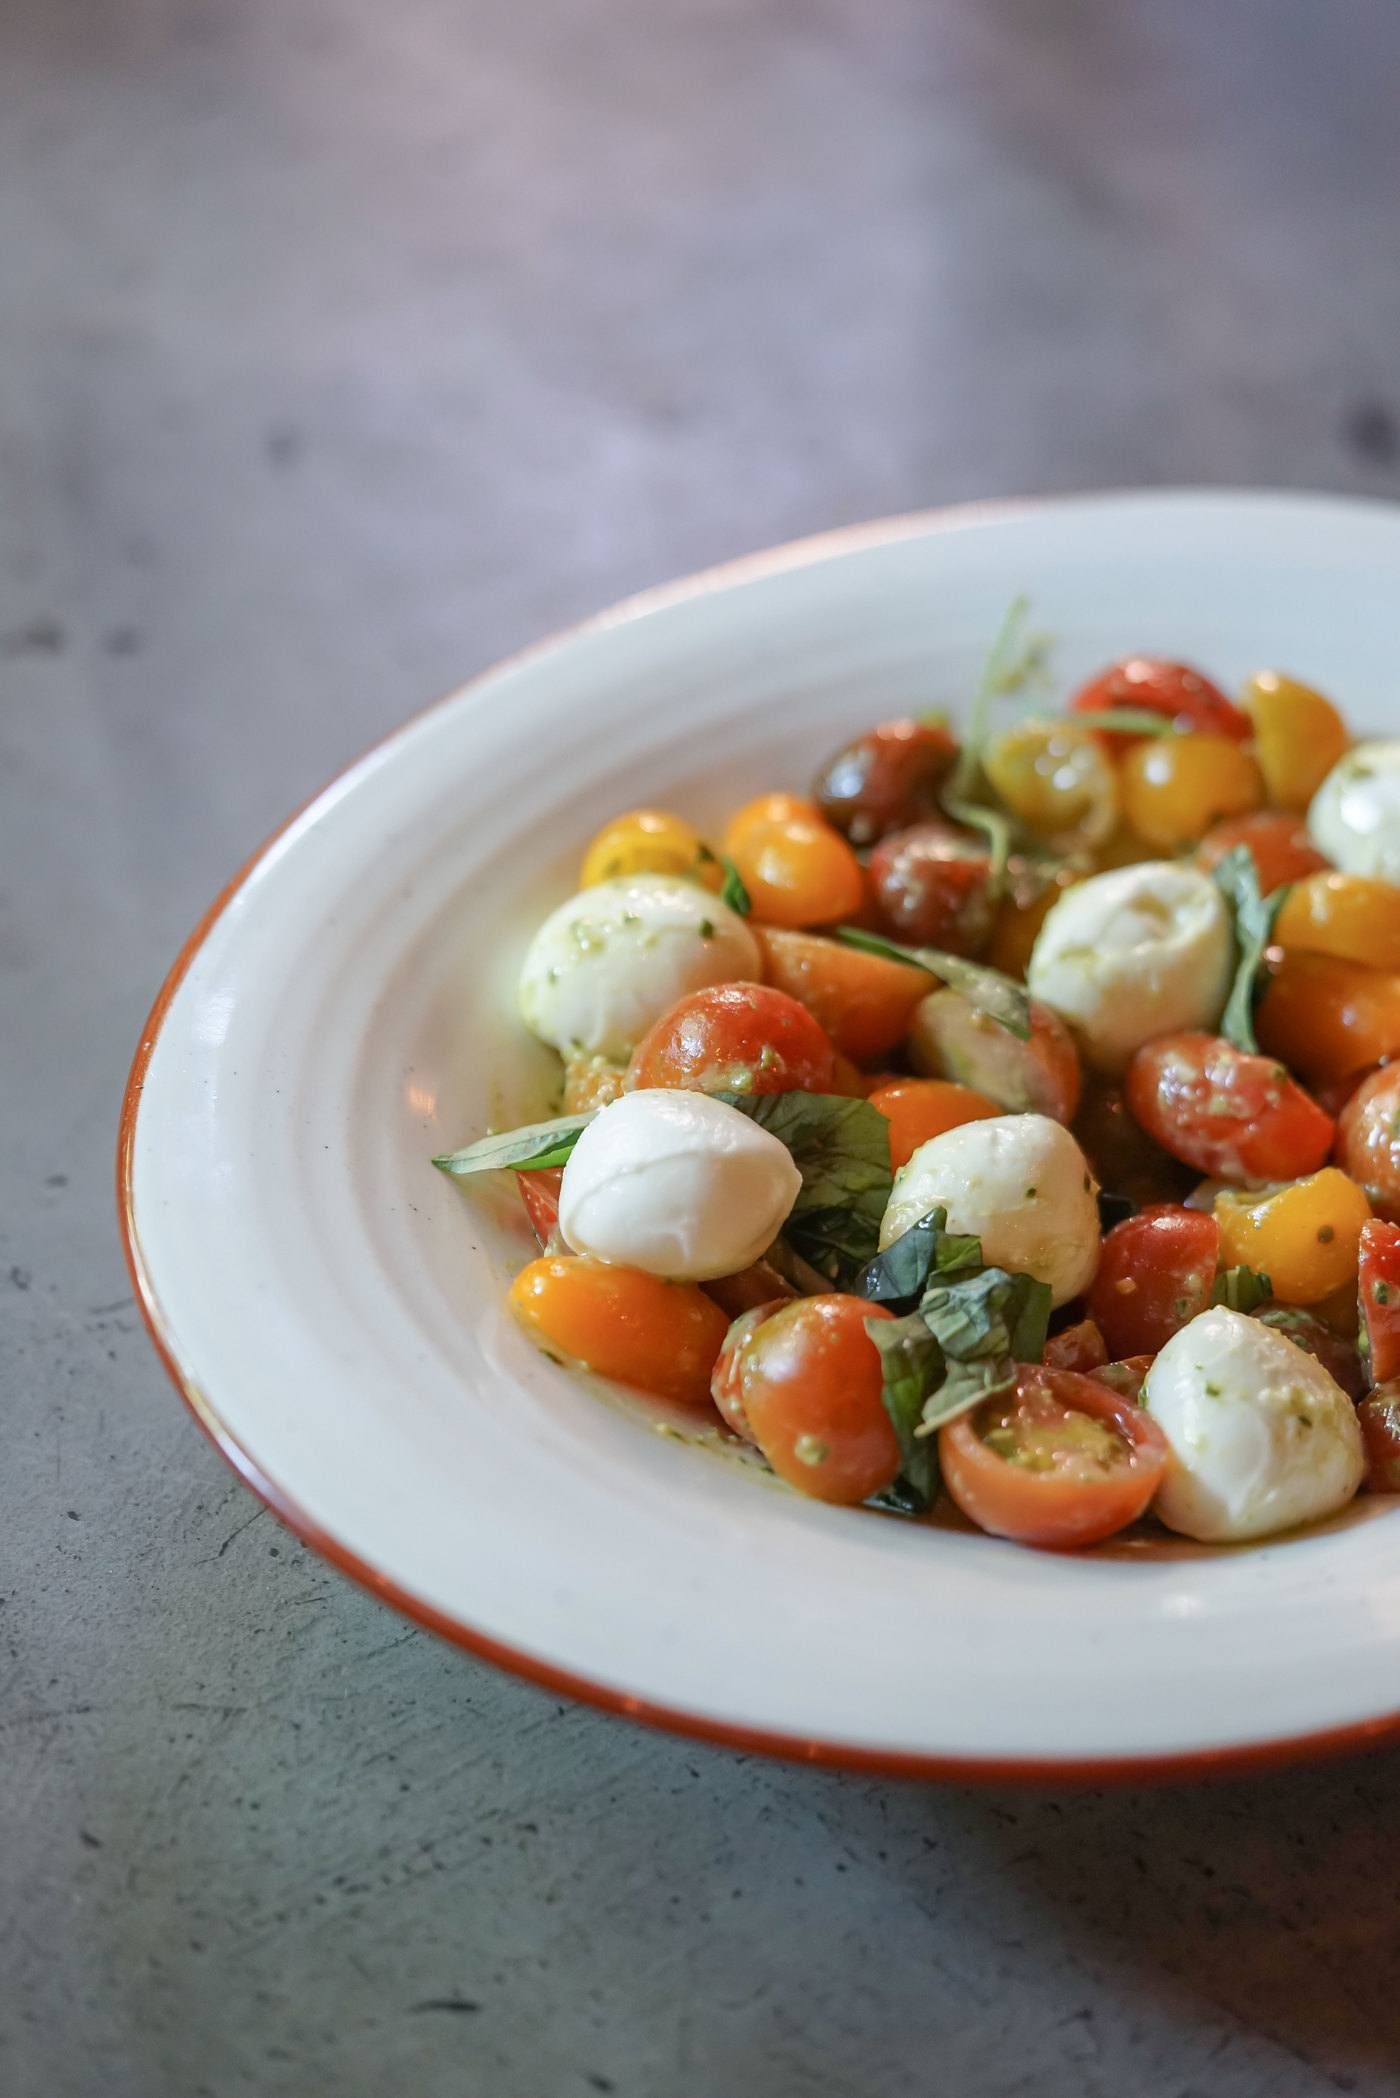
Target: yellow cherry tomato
(798, 870)
(1175, 787)
(1057, 779)
(1031, 893)
(1298, 736)
(649, 841)
(1304, 1237)
(662, 1337)
(1353, 916)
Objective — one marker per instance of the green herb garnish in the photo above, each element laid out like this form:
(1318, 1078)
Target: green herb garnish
(841, 1148)
(733, 891)
(1237, 878)
(1241, 1289)
(530, 1149)
(1001, 999)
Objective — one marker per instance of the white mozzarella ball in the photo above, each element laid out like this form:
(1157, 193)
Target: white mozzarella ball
(617, 956)
(1262, 1438)
(1355, 814)
(1021, 1184)
(1132, 954)
(677, 1183)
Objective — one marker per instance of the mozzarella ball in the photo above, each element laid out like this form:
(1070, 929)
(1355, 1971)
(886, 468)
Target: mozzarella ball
(1262, 1438)
(617, 956)
(1355, 814)
(1021, 1184)
(680, 1184)
(1129, 955)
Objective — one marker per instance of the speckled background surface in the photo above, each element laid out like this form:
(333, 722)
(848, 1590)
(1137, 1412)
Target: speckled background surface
(343, 347)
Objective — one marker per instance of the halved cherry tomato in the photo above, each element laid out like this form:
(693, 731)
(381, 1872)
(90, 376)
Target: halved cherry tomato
(932, 884)
(661, 1337)
(1354, 916)
(649, 841)
(1368, 1140)
(1327, 1018)
(1063, 1461)
(591, 1081)
(1126, 1378)
(1309, 1331)
(1280, 844)
(864, 1002)
(1305, 1237)
(949, 1038)
(919, 1108)
(1233, 1116)
(1380, 1297)
(1173, 690)
(885, 779)
(1298, 736)
(1176, 787)
(1155, 1274)
(725, 1385)
(797, 869)
(1379, 1420)
(807, 1383)
(1078, 1347)
(539, 1192)
(735, 1038)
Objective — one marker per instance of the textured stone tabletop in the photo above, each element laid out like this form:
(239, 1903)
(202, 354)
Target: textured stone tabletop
(342, 348)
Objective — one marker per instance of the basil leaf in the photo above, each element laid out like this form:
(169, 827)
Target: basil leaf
(912, 1362)
(899, 1276)
(985, 1324)
(995, 828)
(1237, 878)
(1241, 1289)
(537, 1145)
(992, 993)
(841, 1148)
(1128, 721)
(733, 891)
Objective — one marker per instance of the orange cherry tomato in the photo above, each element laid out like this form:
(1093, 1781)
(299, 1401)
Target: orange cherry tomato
(1298, 736)
(1078, 1347)
(1062, 1461)
(1176, 787)
(1282, 849)
(1327, 1018)
(1368, 1140)
(806, 1382)
(1032, 891)
(1305, 1237)
(1179, 694)
(661, 1337)
(1155, 1274)
(1353, 916)
(1230, 1115)
(864, 1002)
(797, 869)
(919, 1108)
(1379, 1268)
(769, 808)
(885, 779)
(735, 1038)
(932, 885)
(949, 1038)
(1378, 1417)
(539, 1192)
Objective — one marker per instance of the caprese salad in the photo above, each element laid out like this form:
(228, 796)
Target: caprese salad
(1012, 1121)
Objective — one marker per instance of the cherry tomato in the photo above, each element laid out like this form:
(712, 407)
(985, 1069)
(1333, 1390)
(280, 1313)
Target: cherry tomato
(807, 1382)
(919, 1108)
(1379, 1420)
(797, 869)
(1057, 779)
(1309, 1331)
(1298, 736)
(591, 1081)
(1282, 849)
(770, 808)
(1304, 1237)
(1126, 1378)
(1063, 1461)
(949, 1038)
(1033, 888)
(1155, 1274)
(1233, 1116)
(885, 779)
(725, 1383)
(539, 1192)
(864, 1002)
(735, 1038)
(1078, 1347)
(1368, 1140)
(1380, 1296)
(649, 841)
(760, 1284)
(1124, 1158)
(661, 1337)
(1327, 1019)
(1173, 690)
(1176, 787)
(1353, 916)
(933, 887)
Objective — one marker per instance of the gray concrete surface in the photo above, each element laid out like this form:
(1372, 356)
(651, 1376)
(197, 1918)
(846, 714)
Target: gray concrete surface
(342, 347)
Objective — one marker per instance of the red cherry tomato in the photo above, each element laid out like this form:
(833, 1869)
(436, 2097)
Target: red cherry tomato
(1368, 1140)
(1079, 1347)
(1282, 849)
(735, 1038)
(805, 1383)
(1379, 1420)
(539, 1191)
(1380, 1296)
(1061, 1461)
(932, 884)
(1230, 1115)
(1173, 690)
(1155, 1273)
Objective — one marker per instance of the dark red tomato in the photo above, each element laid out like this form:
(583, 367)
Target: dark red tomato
(1230, 1115)
(539, 1191)
(1062, 1461)
(1173, 690)
(1156, 1272)
(1368, 1140)
(1124, 1158)
(1379, 1421)
(1079, 1347)
(1335, 1351)
(932, 884)
(735, 1038)
(1279, 842)
(885, 780)
(805, 1383)
(1126, 1378)
(1380, 1296)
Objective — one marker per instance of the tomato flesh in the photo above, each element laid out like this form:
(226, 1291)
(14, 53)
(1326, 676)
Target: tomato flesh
(1178, 693)
(805, 1382)
(1379, 1419)
(1230, 1115)
(735, 1038)
(539, 1192)
(1155, 1274)
(1380, 1296)
(1063, 1461)
(1078, 1347)
(1368, 1140)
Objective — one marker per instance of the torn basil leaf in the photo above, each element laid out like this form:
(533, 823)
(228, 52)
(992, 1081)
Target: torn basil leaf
(985, 1324)
(537, 1145)
(1128, 721)
(912, 1362)
(992, 993)
(1237, 878)
(1241, 1289)
(899, 1276)
(841, 1148)
(732, 890)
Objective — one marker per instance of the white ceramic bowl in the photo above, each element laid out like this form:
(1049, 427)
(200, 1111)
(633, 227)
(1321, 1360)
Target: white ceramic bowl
(332, 1308)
